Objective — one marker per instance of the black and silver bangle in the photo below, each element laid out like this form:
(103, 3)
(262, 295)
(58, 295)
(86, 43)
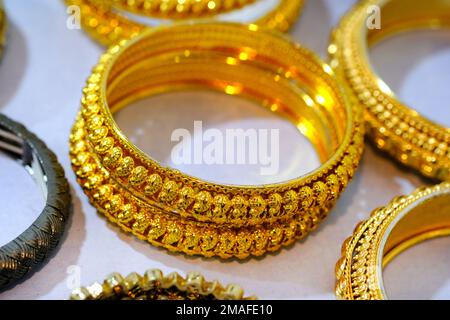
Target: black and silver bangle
(25, 253)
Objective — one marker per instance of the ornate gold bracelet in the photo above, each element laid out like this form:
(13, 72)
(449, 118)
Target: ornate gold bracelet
(179, 9)
(108, 27)
(182, 213)
(394, 127)
(153, 285)
(406, 221)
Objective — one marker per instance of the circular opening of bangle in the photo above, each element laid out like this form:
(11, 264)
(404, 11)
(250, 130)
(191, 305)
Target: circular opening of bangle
(395, 19)
(14, 147)
(238, 60)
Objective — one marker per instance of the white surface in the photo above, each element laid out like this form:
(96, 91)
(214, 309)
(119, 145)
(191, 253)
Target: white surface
(41, 77)
(155, 115)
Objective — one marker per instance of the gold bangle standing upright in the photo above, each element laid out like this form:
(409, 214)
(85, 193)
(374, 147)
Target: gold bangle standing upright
(406, 221)
(395, 128)
(186, 214)
(107, 26)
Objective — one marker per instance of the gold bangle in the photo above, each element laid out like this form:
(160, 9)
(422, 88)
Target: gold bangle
(3, 26)
(185, 214)
(406, 221)
(179, 9)
(153, 285)
(108, 27)
(393, 127)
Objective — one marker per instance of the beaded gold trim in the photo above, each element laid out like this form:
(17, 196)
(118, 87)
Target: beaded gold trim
(394, 128)
(180, 9)
(153, 285)
(108, 27)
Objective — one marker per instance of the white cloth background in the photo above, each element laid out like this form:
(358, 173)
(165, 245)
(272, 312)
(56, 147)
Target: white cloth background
(41, 76)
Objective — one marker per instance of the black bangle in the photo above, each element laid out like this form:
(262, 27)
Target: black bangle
(23, 254)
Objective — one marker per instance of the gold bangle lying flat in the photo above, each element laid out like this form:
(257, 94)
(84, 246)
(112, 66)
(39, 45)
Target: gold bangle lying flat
(395, 128)
(182, 213)
(153, 285)
(406, 221)
(108, 27)
(179, 9)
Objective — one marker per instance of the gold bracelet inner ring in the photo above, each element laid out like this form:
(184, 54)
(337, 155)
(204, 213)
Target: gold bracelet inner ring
(216, 73)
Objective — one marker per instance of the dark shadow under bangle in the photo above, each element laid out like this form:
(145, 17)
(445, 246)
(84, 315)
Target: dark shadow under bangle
(25, 253)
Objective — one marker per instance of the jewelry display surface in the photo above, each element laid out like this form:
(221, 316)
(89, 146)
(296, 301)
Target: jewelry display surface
(53, 78)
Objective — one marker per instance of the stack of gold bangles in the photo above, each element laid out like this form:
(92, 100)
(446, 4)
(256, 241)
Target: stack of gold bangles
(181, 213)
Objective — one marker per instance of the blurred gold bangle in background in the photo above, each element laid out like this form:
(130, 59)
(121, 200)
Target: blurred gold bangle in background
(393, 127)
(406, 221)
(108, 26)
(179, 9)
(183, 213)
(153, 285)
(3, 27)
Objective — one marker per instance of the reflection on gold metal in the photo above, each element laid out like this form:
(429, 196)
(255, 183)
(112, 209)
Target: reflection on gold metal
(233, 89)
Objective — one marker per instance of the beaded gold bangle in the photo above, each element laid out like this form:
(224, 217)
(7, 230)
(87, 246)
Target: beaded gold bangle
(393, 127)
(406, 221)
(179, 9)
(153, 285)
(108, 27)
(186, 214)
